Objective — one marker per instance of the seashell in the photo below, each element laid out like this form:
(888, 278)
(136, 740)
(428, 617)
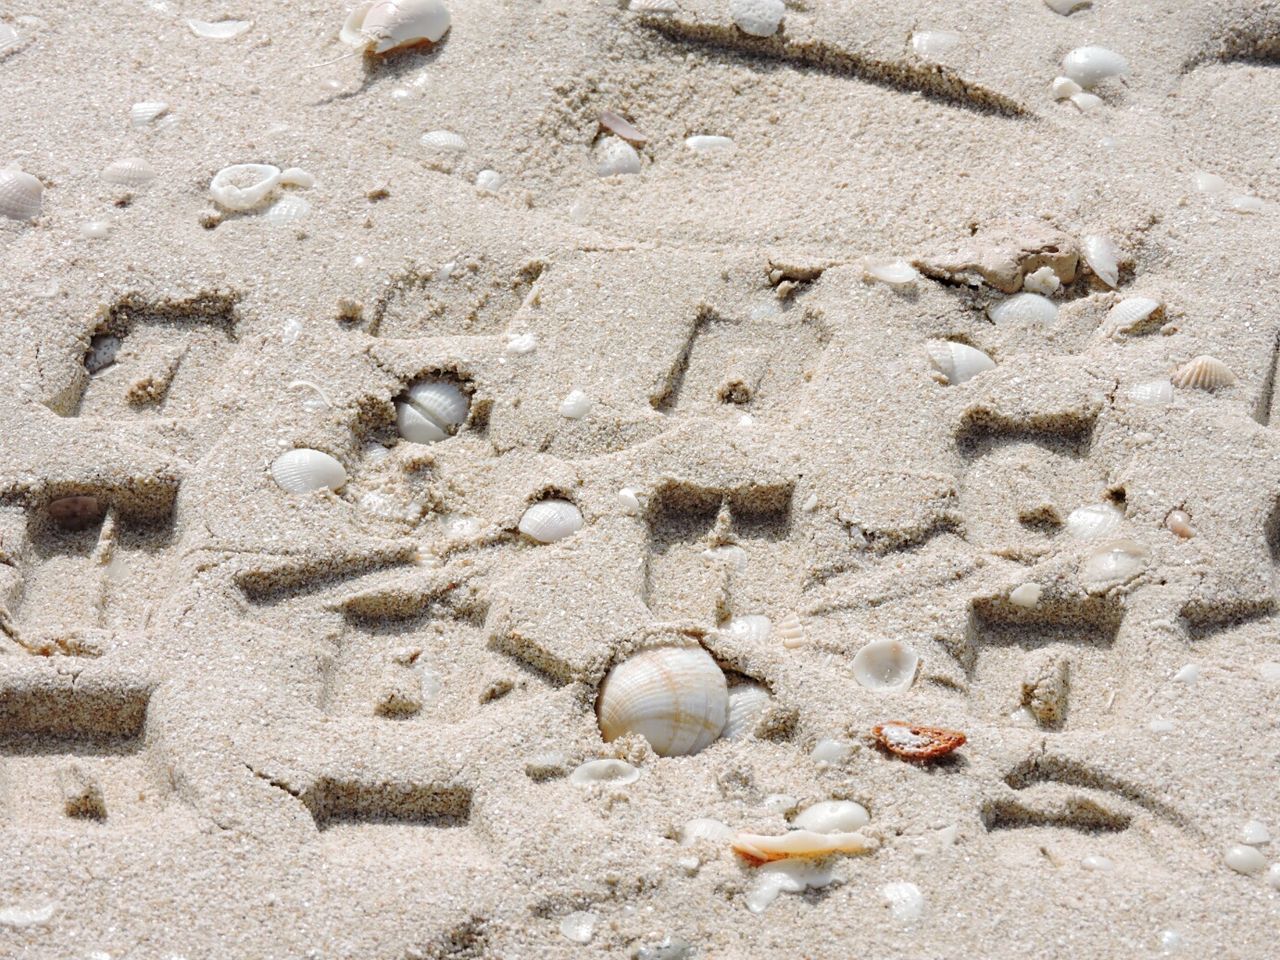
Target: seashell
(550, 520)
(1064, 88)
(1085, 102)
(141, 114)
(1095, 520)
(381, 26)
(674, 697)
(1209, 182)
(753, 628)
(303, 470)
(1089, 66)
(579, 926)
(905, 900)
(893, 272)
(1026, 595)
(129, 172)
(630, 502)
(576, 405)
(1203, 373)
(445, 140)
(1131, 314)
(617, 157)
(1067, 7)
(95, 229)
(286, 210)
(26, 916)
(958, 362)
(1178, 523)
(915, 742)
(8, 38)
(20, 195)
(757, 18)
(799, 843)
(221, 30)
(1273, 877)
(1102, 257)
(1152, 391)
(431, 411)
(932, 44)
(830, 750)
(1024, 310)
(1114, 563)
(885, 666)
(102, 352)
(648, 7)
(76, 513)
(521, 343)
(1245, 859)
(617, 772)
(297, 177)
(705, 828)
(832, 816)
(488, 181)
(748, 702)
(786, 876)
(1255, 832)
(791, 631)
(707, 143)
(621, 127)
(243, 186)
(1246, 204)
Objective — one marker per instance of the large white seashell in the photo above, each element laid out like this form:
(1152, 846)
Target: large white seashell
(1131, 314)
(604, 771)
(1116, 562)
(747, 704)
(958, 362)
(20, 195)
(381, 26)
(1066, 7)
(1203, 373)
(885, 666)
(708, 143)
(243, 186)
(674, 697)
(757, 18)
(550, 520)
(705, 829)
(303, 470)
(617, 157)
(832, 816)
(753, 628)
(431, 411)
(893, 272)
(1152, 391)
(1089, 66)
(1094, 521)
(1102, 257)
(932, 44)
(1024, 310)
(221, 30)
(445, 140)
(129, 172)
(141, 114)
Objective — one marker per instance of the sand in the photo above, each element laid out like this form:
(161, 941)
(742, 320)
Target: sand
(237, 722)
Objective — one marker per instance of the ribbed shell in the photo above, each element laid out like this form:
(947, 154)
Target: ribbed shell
(1116, 562)
(550, 520)
(385, 25)
(832, 816)
(1024, 310)
(621, 127)
(748, 702)
(1088, 66)
(439, 401)
(1152, 391)
(885, 666)
(674, 697)
(617, 157)
(303, 470)
(1203, 373)
(1131, 314)
(445, 140)
(958, 362)
(141, 114)
(129, 172)
(416, 427)
(489, 181)
(893, 272)
(20, 195)
(1102, 257)
(1094, 521)
(243, 186)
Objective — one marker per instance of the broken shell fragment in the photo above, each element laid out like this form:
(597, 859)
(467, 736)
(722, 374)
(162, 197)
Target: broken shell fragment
(129, 172)
(674, 697)
(20, 195)
(754, 628)
(431, 411)
(1026, 595)
(1113, 563)
(621, 127)
(1203, 373)
(799, 843)
(885, 666)
(916, 742)
(617, 772)
(957, 363)
(832, 816)
(893, 272)
(381, 26)
(748, 702)
(1102, 257)
(243, 186)
(303, 470)
(757, 18)
(708, 143)
(221, 30)
(1089, 66)
(1152, 391)
(931, 44)
(1179, 524)
(141, 114)
(1064, 88)
(550, 520)
(704, 828)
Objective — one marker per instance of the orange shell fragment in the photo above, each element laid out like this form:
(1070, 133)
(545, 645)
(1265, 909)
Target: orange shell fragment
(914, 741)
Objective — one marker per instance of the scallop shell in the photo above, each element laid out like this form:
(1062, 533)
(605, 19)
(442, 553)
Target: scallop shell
(431, 411)
(1089, 66)
(1152, 391)
(20, 195)
(617, 157)
(303, 470)
(243, 186)
(748, 702)
(620, 126)
(617, 772)
(893, 272)
(886, 666)
(648, 7)
(958, 362)
(1094, 521)
(1203, 373)
(1116, 562)
(576, 405)
(707, 143)
(381, 26)
(221, 30)
(141, 114)
(550, 520)
(1132, 314)
(705, 829)
(675, 697)
(799, 843)
(932, 44)
(757, 18)
(791, 631)
(832, 816)
(1024, 310)
(1102, 257)
(445, 140)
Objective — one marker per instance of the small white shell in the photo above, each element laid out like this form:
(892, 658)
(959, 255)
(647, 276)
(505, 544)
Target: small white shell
(488, 181)
(705, 829)
(1094, 521)
(1130, 314)
(1246, 860)
(579, 926)
(905, 900)
(630, 502)
(445, 140)
(381, 26)
(886, 666)
(932, 44)
(648, 7)
(1102, 257)
(243, 186)
(1064, 88)
(431, 411)
(894, 272)
(521, 343)
(576, 405)
(708, 143)
(550, 520)
(95, 229)
(1026, 595)
(747, 704)
(1152, 391)
(1209, 182)
(1116, 562)
(1178, 522)
(831, 750)
(604, 771)
(1067, 7)
(1203, 373)
(675, 697)
(303, 470)
(622, 127)
(832, 816)
(753, 628)
(791, 631)
(958, 362)
(221, 30)
(297, 177)
(1255, 832)
(20, 195)
(1245, 203)
(1088, 66)
(129, 172)
(1043, 281)
(757, 18)
(141, 114)
(8, 38)
(1085, 102)
(1024, 310)
(285, 211)
(617, 158)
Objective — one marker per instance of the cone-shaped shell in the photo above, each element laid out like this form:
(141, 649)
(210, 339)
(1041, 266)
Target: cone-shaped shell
(958, 362)
(885, 666)
(550, 520)
(304, 470)
(1203, 373)
(674, 697)
(381, 26)
(20, 195)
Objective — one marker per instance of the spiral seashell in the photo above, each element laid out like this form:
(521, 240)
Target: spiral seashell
(20, 195)
(1116, 562)
(431, 411)
(243, 186)
(617, 158)
(617, 772)
(705, 829)
(1152, 391)
(303, 470)
(620, 126)
(757, 18)
(885, 666)
(748, 702)
(142, 114)
(674, 697)
(1102, 257)
(932, 44)
(1203, 373)
(707, 143)
(832, 816)
(381, 26)
(1132, 314)
(550, 520)
(221, 30)
(893, 272)
(791, 631)
(1089, 66)
(1024, 310)
(1094, 521)
(958, 362)
(445, 140)
(799, 843)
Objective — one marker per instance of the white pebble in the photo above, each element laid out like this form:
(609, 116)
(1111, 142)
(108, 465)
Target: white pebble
(95, 229)
(576, 405)
(1064, 88)
(1026, 595)
(221, 30)
(1255, 832)
(617, 158)
(1273, 876)
(1209, 182)
(1246, 204)
(905, 900)
(758, 18)
(1246, 860)
(579, 926)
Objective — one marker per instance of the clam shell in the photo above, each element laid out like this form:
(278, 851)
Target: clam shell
(129, 172)
(832, 816)
(621, 127)
(748, 702)
(141, 114)
(958, 362)
(1132, 314)
(1245, 859)
(550, 520)
(757, 18)
(932, 44)
(1203, 373)
(489, 181)
(886, 666)
(1152, 391)
(675, 697)
(431, 411)
(303, 470)
(417, 427)
(1094, 521)
(20, 195)
(707, 143)
(893, 272)
(617, 158)
(604, 771)
(753, 628)
(1102, 257)
(381, 26)
(221, 30)
(445, 140)
(705, 829)
(799, 843)
(1116, 562)
(1089, 66)
(1024, 310)
(243, 186)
